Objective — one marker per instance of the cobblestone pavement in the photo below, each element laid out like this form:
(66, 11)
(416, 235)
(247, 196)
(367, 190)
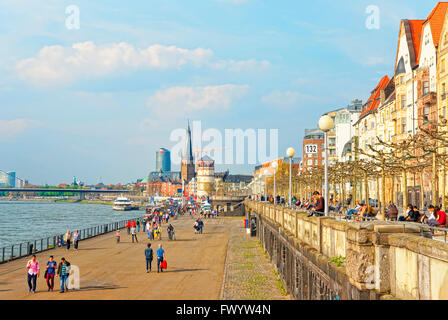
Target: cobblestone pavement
(249, 274)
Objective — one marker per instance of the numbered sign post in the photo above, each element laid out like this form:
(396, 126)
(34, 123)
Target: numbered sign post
(311, 148)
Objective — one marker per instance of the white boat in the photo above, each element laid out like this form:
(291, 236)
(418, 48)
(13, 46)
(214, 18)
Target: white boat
(122, 204)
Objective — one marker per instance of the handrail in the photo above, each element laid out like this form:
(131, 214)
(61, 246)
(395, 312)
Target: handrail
(15, 251)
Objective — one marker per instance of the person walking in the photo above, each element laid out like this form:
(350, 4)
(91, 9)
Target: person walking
(50, 273)
(149, 256)
(138, 225)
(118, 235)
(170, 231)
(128, 226)
(160, 257)
(76, 237)
(33, 271)
(63, 273)
(134, 234)
(68, 239)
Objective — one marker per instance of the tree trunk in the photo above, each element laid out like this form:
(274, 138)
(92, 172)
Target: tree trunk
(404, 188)
(422, 191)
(383, 195)
(443, 184)
(366, 188)
(434, 180)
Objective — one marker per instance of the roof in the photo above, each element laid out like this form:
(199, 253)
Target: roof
(374, 101)
(206, 158)
(416, 27)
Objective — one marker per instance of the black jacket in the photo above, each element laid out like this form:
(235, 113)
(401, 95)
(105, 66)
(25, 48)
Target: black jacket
(60, 267)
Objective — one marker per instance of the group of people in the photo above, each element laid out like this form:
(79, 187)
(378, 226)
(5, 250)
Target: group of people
(52, 269)
(70, 238)
(161, 258)
(198, 226)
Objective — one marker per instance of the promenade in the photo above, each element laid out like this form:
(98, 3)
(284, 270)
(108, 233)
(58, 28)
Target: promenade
(117, 271)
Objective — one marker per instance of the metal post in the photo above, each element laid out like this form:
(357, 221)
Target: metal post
(275, 191)
(290, 173)
(326, 175)
(265, 188)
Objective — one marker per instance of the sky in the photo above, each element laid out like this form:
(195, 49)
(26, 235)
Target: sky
(96, 99)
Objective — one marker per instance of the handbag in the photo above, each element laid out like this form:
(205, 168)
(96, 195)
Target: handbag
(45, 274)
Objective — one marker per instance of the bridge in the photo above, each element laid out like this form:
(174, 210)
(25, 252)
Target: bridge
(321, 258)
(81, 192)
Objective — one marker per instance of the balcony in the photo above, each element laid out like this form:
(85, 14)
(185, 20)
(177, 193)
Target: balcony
(429, 98)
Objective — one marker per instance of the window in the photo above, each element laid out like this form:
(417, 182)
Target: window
(403, 101)
(403, 125)
(425, 87)
(442, 65)
(315, 162)
(309, 162)
(402, 79)
(372, 125)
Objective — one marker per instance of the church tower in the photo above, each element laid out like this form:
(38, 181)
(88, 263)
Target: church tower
(187, 163)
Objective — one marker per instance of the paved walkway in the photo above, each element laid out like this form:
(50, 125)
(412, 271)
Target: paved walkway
(196, 265)
(249, 275)
(117, 271)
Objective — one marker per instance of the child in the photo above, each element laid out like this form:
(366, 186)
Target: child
(117, 235)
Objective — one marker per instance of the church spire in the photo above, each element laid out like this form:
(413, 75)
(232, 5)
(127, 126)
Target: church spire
(188, 152)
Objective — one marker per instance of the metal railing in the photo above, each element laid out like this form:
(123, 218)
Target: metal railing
(24, 249)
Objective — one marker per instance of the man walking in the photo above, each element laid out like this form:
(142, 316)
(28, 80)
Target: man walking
(63, 272)
(33, 269)
(149, 256)
(50, 273)
(134, 234)
(160, 257)
(68, 239)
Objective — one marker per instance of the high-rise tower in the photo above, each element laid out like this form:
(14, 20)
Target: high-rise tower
(187, 163)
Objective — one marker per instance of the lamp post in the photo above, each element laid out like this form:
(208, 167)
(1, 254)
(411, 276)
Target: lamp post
(274, 166)
(326, 124)
(265, 173)
(290, 153)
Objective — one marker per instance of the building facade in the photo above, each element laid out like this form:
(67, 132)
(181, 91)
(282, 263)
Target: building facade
(163, 160)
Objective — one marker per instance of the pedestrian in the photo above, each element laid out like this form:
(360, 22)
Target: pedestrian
(128, 226)
(33, 271)
(63, 273)
(134, 234)
(170, 230)
(138, 225)
(68, 239)
(117, 235)
(160, 257)
(149, 256)
(50, 273)
(76, 237)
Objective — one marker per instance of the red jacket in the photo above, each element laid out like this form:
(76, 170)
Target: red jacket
(441, 217)
(128, 224)
(134, 224)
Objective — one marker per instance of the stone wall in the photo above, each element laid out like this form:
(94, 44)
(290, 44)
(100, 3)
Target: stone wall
(382, 259)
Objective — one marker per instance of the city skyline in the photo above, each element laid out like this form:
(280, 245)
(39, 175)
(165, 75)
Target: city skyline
(228, 64)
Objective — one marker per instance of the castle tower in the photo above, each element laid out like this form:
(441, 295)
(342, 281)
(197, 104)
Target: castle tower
(206, 176)
(187, 163)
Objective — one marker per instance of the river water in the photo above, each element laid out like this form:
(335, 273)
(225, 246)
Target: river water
(23, 221)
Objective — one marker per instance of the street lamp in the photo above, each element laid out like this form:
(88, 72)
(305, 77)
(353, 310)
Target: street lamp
(265, 173)
(326, 124)
(290, 153)
(274, 166)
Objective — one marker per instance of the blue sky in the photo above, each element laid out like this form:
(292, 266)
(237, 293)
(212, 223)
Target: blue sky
(97, 102)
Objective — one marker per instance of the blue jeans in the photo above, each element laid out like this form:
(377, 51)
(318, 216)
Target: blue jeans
(148, 264)
(64, 282)
(33, 278)
(350, 213)
(159, 261)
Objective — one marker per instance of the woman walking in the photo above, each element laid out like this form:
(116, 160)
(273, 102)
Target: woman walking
(76, 238)
(68, 239)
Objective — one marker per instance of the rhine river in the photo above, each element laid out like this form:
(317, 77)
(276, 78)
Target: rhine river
(26, 221)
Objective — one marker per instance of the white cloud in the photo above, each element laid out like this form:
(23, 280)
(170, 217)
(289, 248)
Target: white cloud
(58, 64)
(184, 100)
(243, 65)
(283, 99)
(11, 128)
(234, 1)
